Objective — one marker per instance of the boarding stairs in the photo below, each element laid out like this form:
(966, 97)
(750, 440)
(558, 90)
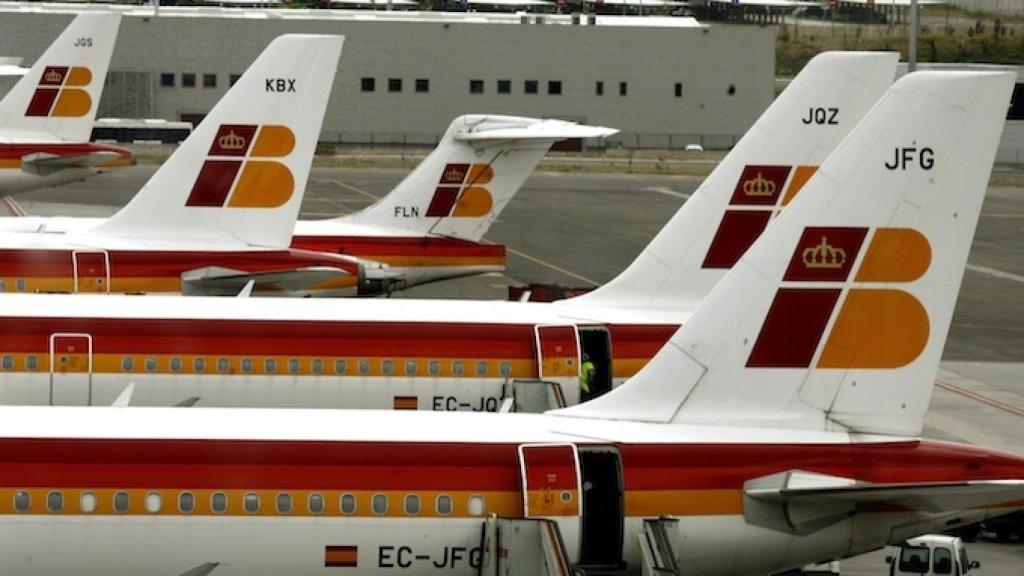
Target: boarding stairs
(659, 547)
(523, 547)
(532, 396)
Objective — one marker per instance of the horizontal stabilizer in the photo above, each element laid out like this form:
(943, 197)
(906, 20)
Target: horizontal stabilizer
(201, 570)
(44, 164)
(803, 502)
(215, 280)
(517, 129)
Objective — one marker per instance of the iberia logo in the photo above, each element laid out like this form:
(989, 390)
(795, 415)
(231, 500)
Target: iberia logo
(757, 198)
(460, 192)
(59, 93)
(238, 170)
(874, 327)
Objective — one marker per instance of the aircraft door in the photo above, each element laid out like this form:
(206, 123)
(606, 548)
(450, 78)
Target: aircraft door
(71, 368)
(596, 345)
(91, 269)
(602, 524)
(558, 357)
(551, 489)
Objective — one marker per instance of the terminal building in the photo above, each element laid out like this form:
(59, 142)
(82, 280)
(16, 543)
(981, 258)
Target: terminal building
(665, 82)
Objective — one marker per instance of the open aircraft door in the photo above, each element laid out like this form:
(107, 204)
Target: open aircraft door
(91, 271)
(71, 367)
(551, 489)
(558, 357)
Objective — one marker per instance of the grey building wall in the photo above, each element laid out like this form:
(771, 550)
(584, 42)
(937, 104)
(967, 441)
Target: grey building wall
(1004, 7)
(726, 72)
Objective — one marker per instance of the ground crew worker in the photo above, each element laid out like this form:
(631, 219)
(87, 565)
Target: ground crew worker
(587, 372)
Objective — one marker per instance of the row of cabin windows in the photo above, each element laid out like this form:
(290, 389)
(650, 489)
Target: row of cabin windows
(293, 365)
(554, 87)
(154, 501)
(188, 80)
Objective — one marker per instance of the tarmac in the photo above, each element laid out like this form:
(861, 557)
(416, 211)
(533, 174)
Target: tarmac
(581, 229)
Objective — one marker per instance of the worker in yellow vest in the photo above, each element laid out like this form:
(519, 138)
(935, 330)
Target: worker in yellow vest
(587, 372)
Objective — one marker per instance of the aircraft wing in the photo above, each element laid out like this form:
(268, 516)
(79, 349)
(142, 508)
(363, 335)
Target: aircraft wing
(545, 130)
(43, 164)
(215, 280)
(803, 502)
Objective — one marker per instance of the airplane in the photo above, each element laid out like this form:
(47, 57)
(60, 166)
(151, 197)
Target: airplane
(438, 354)
(46, 119)
(778, 427)
(216, 218)
(430, 226)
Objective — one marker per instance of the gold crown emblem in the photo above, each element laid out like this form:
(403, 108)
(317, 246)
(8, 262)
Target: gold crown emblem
(231, 141)
(454, 174)
(53, 77)
(759, 186)
(823, 256)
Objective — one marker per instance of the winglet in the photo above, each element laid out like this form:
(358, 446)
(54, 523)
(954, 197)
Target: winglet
(240, 176)
(463, 185)
(762, 173)
(835, 319)
(59, 96)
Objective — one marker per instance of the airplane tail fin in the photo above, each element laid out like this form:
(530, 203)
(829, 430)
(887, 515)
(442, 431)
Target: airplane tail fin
(462, 186)
(762, 173)
(835, 319)
(59, 95)
(240, 176)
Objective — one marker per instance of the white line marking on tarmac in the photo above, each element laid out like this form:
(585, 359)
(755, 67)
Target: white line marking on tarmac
(354, 189)
(995, 273)
(552, 266)
(666, 191)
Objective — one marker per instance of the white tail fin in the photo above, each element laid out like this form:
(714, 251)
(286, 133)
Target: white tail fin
(240, 176)
(761, 174)
(836, 317)
(462, 186)
(58, 97)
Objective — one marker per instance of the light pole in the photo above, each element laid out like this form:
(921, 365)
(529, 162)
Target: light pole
(915, 23)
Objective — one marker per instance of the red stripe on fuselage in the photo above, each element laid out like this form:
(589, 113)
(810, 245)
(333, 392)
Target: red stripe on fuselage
(369, 246)
(259, 464)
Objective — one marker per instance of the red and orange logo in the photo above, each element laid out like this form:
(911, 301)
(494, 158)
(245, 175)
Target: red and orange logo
(238, 170)
(875, 327)
(60, 93)
(756, 199)
(460, 191)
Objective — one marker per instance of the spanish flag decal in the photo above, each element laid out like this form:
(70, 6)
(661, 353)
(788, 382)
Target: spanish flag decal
(341, 556)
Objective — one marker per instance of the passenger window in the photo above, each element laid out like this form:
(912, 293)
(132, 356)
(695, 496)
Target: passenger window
(199, 364)
(316, 366)
(284, 503)
(247, 365)
(270, 366)
(412, 505)
(364, 366)
(348, 504)
(387, 367)
(457, 368)
(31, 363)
(251, 503)
(8, 362)
(154, 502)
(476, 505)
(150, 364)
(410, 367)
(379, 504)
(443, 504)
(942, 561)
(87, 502)
(186, 502)
(340, 367)
(223, 365)
(55, 501)
(121, 502)
(219, 502)
(19, 284)
(434, 367)
(127, 364)
(481, 368)
(22, 501)
(293, 365)
(505, 368)
(315, 503)
(176, 364)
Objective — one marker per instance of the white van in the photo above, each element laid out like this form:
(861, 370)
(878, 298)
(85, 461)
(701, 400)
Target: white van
(931, 555)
